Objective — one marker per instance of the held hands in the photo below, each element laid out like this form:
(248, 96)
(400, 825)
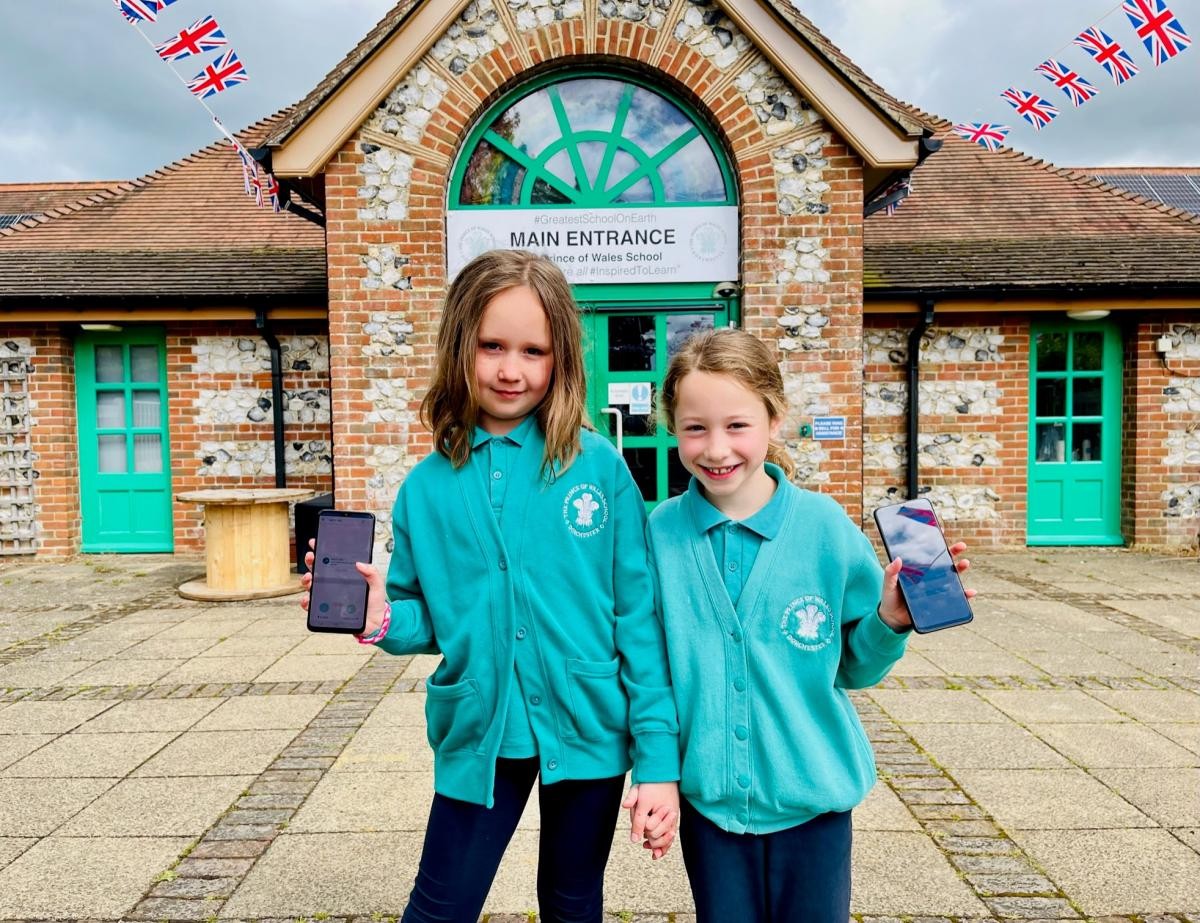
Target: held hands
(376, 592)
(653, 815)
(892, 609)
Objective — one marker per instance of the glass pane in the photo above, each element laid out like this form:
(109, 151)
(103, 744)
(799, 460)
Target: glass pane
(623, 163)
(144, 360)
(545, 194)
(640, 424)
(529, 124)
(112, 454)
(1051, 352)
(592, 155)
(692, 174)
(491, 178)
(1085, 438)
(1087, 398)
(643, 465)
(560, 166)
(591, 103)
(631, 343)
(147, 412)
(110, 363)
(147, 453)
(682, 327)
(641, 191)
(110, 410)
(653, 122)
(1051, 442)
(1052, 397)
(1089, 352)
(678, 477)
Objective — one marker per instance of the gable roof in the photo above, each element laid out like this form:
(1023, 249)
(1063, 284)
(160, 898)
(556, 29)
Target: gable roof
(28, 200)
(882, 130)
(186, 230)
(1003, 222)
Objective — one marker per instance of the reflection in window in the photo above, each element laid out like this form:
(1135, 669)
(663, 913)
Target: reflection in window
(1051, 442)
(682, 327)
(110, 410)
(1087, 397)
(1051, 397)
(144, 362)
(678, 477)
(1089, 352)
(111, 454)
(110, 363)
(643, 465)
(1085, 442)
(1051, 352)
(491, 178)
(631, 343)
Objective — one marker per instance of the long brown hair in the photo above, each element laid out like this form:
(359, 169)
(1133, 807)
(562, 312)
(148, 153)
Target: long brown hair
(742, 357)
(451, 406)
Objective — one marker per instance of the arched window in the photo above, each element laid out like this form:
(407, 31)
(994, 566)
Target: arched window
(590, 141)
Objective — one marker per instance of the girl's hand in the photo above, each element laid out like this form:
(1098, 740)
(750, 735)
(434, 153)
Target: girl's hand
(892, 609)
(653, 815)
(376, 592)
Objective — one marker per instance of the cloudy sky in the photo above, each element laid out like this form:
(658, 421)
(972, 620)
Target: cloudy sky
(82, 96)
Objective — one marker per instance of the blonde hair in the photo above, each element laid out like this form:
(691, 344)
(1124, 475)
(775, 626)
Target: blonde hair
(451, 406)
(742, 357)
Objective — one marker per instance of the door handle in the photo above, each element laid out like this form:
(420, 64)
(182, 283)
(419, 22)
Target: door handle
(620, 425)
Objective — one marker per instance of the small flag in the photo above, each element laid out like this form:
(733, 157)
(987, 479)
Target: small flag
(1108, 54)
(1157, 27)
(219, 76)
(987, 134)
(249, 166)
(138, 10)
(1078, 90)
(901, 190)
(199, 37)
(1031, 107)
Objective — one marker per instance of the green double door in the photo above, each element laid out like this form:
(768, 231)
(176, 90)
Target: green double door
(628, 346)
(124, 461)
(1075, 435)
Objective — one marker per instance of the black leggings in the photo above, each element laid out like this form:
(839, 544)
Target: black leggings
(464, 844)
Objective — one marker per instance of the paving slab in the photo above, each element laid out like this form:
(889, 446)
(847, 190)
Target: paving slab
(90, 756)
(1177, 618)
(1169, 796)
(48, 717)
(326, 644)
(905, 873)
(219, 670)
(1048, 799)
(633, 882)
(38, 674)
(157, 807)
(263, 712)
(957, 706)
(985, 746)
(1092, 745)
(171, 648)
(153, 715)
(1080, 663)
(13, 846)
(362, 802)
(387, 749)
(36, 807)
(883, 810)
(405, 709)
(985, 663)
(90, 878)
(914, 664)
(1027, 706)
(1186, 735)
(14, 747)
(241, 645)
(1117, 871)
(295, 668)
(1153, 704)
(1189, 836)
(215, 628)
(218, 753)
(124, 672)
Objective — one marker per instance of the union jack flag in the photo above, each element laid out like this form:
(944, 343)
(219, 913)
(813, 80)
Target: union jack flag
(987, 134)
(1031, 107)
(138, 10)
(919, 514)
(1157, 27)
(249, 167)
(223, 73)
(1077, 89)
(265, 185)
(199, 37)
(1108, 54)
(902, 190)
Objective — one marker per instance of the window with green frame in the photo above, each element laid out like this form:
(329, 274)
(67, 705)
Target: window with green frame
(590, 141)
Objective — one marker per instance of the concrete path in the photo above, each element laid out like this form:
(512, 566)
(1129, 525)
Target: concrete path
(170, 760)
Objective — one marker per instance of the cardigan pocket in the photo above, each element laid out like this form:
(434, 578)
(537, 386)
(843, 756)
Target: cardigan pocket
(454, 716)
(598, 701)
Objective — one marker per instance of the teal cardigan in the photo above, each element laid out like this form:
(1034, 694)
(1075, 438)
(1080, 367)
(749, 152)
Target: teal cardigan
(569, 611)
(770, 737)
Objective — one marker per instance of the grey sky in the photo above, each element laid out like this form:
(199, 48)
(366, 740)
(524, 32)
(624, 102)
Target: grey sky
(83, 97)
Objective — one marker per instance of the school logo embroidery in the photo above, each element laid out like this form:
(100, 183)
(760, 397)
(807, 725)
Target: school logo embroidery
(585, 510)
(808, 623)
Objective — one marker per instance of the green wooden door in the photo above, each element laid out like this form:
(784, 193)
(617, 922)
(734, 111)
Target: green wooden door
(628, 348)
(124, 447)
(1075, 435)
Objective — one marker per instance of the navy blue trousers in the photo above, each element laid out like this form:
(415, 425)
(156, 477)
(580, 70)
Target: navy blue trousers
(465, 842)
(797, 875)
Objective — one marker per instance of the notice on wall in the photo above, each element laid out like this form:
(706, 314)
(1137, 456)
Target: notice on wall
(830, 429)
(606, 245)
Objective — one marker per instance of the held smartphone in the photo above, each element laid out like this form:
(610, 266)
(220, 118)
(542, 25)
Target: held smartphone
(338, 599)
(929, 581)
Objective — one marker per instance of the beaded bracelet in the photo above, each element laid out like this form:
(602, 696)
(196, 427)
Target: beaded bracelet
(381, 632)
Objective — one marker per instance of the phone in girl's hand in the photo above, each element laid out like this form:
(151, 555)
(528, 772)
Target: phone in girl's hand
(338, 598)
(929, 580)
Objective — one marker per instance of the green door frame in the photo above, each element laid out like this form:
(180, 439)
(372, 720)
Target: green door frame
(1074, 480)
(123, 509)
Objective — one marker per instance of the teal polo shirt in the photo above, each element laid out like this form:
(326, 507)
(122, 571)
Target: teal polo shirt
(493, 458)
(735, 543)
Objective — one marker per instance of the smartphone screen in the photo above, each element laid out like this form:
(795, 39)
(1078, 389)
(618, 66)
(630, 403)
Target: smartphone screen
(930, 584)
(338, 600)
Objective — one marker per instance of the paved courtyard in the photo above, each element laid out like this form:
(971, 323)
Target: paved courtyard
(162, 759)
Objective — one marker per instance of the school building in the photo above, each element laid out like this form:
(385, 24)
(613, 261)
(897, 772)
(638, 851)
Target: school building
(1018, 342)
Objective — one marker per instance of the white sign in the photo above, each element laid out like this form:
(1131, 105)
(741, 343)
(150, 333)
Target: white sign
(606, 245)
(639, 398)
(618, 392)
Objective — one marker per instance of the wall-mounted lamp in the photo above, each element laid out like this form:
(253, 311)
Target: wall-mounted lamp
(101, 328)
(1089, 314)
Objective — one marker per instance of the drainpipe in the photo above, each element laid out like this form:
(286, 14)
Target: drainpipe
(914, 396)
(272, 341)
